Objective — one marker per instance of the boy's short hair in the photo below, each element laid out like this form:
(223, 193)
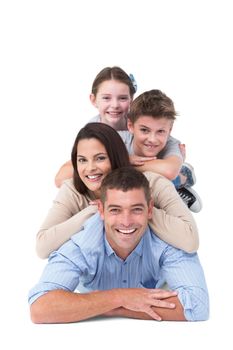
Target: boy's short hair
(153, 103)
(125, 179)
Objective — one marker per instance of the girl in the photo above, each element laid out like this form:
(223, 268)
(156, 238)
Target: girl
(112, 93)
(97, 150)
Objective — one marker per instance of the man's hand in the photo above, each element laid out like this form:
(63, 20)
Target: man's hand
(142, 300)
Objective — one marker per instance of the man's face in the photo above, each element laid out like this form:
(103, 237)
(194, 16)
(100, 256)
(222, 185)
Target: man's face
(150, 135)
(126, 216)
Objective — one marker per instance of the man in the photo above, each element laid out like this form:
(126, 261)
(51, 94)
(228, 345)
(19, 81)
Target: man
(122, 263)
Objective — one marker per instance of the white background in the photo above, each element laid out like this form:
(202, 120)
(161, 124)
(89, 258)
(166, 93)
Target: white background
(50, 53)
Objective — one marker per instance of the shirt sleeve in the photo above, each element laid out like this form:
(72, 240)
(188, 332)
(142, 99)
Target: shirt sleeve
(66, 217)
(172, 148)
(183, 273)
(61, 271)
(172, 221)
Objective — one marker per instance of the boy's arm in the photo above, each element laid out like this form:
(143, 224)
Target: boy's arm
(64, 173)
(60, 306)
(168, 167)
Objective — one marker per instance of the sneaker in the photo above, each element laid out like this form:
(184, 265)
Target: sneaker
(188, 171)
(190, 198)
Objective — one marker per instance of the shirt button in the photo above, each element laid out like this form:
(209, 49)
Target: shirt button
(124, 281)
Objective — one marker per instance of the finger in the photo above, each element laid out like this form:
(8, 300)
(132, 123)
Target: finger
(162, 294)
(146, 159)
(153, 314)
(163, 304)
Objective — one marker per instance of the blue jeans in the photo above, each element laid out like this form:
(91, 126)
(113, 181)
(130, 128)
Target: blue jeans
(177, 182)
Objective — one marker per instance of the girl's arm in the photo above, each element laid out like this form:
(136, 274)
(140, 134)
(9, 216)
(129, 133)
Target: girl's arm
(172, 221)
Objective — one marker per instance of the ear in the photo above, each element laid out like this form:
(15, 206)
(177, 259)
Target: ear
(93, 100)
(100, 208)
(150, 209)
(130, 126)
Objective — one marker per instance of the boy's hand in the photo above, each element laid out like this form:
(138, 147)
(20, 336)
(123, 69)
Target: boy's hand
(137, 161)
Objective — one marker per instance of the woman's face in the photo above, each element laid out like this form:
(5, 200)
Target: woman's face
(93, 163)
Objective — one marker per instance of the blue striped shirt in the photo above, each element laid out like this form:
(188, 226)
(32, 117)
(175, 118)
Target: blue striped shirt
(88, 259)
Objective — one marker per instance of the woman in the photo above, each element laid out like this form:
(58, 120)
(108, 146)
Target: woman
(97, 150)
(112, 93)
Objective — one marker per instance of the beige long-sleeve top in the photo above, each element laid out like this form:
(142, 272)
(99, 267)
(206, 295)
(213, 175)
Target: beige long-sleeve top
(172, 221)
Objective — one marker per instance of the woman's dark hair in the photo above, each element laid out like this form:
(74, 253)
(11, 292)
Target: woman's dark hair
(112, 73)
(112, 142)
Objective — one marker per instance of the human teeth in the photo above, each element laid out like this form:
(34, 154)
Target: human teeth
(92, 176)
(127, 231)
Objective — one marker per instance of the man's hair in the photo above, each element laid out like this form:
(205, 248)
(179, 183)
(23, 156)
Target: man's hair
(153, 103)
(125, 179)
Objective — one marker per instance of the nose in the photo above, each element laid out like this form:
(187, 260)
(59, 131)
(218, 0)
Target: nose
(90, 165)
(151, 137)
(125, 219)
(114, 103)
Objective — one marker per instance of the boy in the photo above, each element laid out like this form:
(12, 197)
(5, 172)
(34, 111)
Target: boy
(151, 146)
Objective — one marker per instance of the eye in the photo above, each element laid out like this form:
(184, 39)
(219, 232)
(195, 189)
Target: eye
(106, 98)
(101, 158)
(144, 130)
(114, 211)
(81, 160)
(124, 98)
(138, 210)
(161, 131)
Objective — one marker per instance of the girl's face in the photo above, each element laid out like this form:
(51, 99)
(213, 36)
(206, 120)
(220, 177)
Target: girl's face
(113, 102)
(150, 135)
(93, 163)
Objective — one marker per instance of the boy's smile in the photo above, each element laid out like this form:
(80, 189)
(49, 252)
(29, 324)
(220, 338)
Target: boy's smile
(150, 135)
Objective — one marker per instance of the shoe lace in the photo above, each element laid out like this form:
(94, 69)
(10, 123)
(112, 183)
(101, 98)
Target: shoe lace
(187, 197)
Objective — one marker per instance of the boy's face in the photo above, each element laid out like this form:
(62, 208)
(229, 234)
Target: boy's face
(150, 135)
